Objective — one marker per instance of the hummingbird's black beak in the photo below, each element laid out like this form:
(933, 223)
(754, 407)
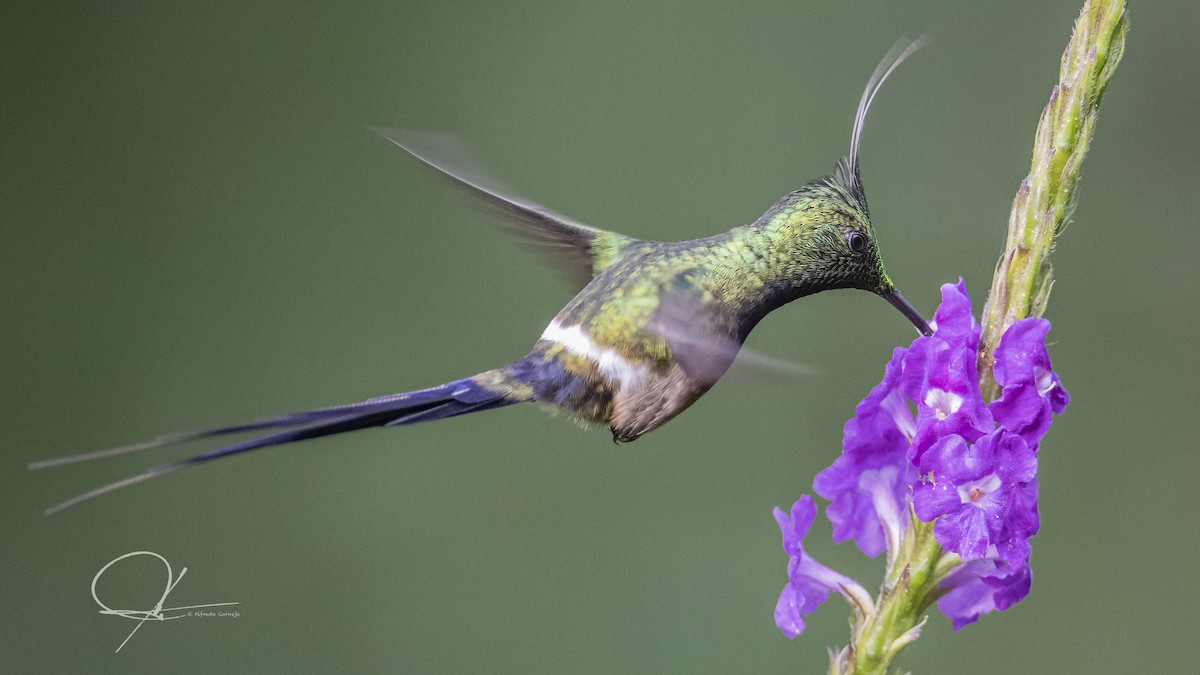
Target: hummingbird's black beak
(899, 302)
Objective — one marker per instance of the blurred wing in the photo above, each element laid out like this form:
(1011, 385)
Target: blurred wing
(585, 250)
(754, 362)
(703, 337)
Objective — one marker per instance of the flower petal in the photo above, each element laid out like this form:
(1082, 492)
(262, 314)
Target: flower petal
(875, 441)
(980, 588)
(1032, 391)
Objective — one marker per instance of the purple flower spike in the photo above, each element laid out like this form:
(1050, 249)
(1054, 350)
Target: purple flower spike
(1032, 391)
(809, 582)
(867, 485)
(982, 587)
(977, 494)
(964, 466)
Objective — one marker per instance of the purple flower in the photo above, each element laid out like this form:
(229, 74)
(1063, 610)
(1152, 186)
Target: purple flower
(953, 320)
(948, 400)
(940, 376)
(809, 582)
(868, 484)
(982, 495)
(1032, 391)
(984, 586)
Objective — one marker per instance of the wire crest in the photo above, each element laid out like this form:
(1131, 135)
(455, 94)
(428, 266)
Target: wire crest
(847, 170)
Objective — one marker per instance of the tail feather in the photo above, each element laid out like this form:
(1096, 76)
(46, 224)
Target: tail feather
(380, 403)
(482, 392)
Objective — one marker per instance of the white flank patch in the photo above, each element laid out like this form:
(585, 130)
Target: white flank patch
(616, 369)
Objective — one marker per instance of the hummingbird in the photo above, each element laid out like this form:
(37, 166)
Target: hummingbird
(653, 327)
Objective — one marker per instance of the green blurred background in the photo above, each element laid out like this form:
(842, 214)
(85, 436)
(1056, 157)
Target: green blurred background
(198, 228)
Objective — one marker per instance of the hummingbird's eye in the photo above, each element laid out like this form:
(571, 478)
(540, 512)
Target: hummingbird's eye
(857, 242)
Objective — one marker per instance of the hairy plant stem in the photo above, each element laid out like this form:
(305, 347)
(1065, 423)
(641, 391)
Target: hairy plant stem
(1046, 197)
(910, 587)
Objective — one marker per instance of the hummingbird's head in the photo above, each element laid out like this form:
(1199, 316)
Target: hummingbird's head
(842, 241)
(829, 224)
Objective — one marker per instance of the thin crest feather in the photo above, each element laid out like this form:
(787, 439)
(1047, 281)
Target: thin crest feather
(847, 170)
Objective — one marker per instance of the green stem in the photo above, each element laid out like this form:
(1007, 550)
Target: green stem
(1042, 207)
(910, 588)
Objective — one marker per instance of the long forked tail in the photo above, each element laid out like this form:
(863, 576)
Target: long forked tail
(491, 389)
